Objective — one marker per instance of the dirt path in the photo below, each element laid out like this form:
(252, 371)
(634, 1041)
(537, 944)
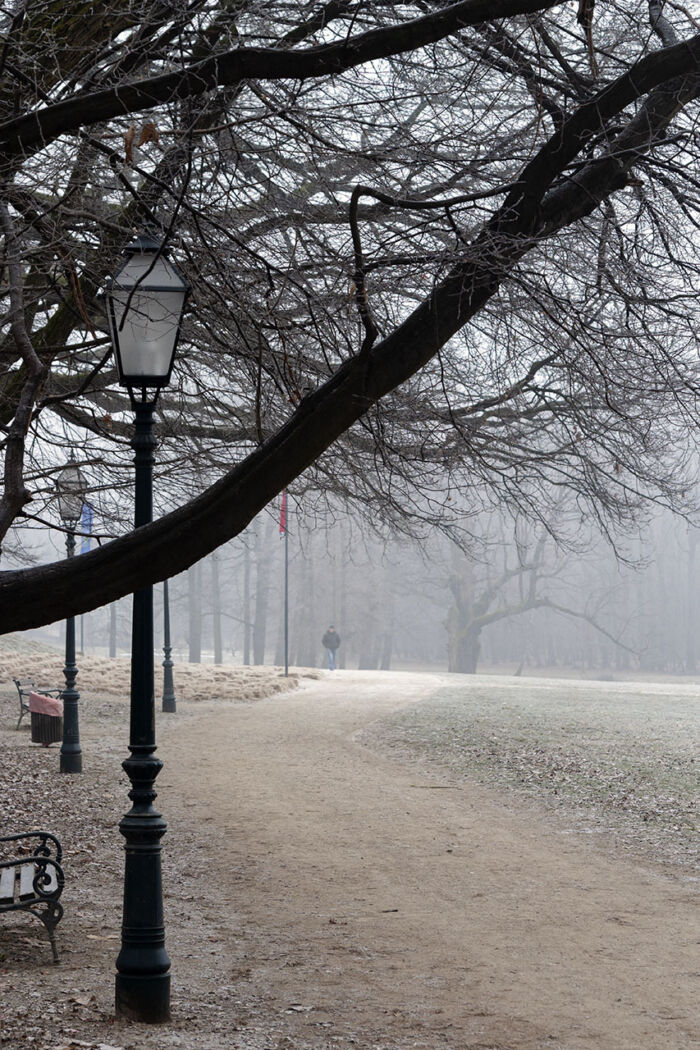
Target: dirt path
(380, 907)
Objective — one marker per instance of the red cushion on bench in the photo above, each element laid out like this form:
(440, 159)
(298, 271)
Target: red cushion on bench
(45, 705)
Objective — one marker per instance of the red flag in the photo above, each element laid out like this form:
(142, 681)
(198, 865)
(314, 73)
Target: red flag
(283, 514)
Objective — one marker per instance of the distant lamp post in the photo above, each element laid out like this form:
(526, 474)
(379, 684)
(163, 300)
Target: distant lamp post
(169, 701)
(70, 489)
(145, 303)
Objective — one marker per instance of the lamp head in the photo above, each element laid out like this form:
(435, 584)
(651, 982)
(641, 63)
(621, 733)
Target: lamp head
(145, 303)
(70, 488)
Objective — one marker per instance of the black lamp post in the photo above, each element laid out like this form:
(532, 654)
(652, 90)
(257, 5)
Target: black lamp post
(70, 487)
(169, 701)
(145, 302)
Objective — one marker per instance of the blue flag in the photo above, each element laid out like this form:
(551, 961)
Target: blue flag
(86, 527)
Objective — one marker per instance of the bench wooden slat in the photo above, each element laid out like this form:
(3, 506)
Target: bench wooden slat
(7, 884)
(27, 874)
(52, 884)
(26, 880)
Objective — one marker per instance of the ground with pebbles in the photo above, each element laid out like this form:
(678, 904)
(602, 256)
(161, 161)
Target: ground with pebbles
(374, 860)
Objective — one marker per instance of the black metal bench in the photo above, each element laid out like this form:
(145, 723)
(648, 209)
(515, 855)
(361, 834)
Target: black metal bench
(25, 686)
(32, 880)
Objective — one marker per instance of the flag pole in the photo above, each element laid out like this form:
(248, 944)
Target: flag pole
(286, 593)
(284, 531)
(87, 515)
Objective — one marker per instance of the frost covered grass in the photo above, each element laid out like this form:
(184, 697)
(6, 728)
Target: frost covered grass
(620, 758)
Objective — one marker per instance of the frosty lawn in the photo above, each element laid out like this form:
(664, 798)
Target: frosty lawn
(615, 757)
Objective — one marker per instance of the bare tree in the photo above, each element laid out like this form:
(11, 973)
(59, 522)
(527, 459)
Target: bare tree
(453, 249)
(509, 581)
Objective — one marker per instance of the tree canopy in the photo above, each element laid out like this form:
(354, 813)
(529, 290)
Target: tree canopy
(433, 247)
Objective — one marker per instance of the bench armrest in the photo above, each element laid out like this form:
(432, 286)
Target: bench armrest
(41, 849)
(43, 690)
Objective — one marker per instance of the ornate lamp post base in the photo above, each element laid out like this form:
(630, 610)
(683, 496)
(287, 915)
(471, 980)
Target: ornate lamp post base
(145, 999)
(169, 702)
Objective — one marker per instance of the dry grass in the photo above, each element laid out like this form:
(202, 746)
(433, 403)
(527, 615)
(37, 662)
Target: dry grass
(101, 676)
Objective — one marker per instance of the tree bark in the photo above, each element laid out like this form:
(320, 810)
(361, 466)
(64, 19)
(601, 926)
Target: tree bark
(194, 595)
(113, 630)
(342, 600)
(309, 640)
(691, 663)
(387, 649)
(246, 602)
(463, 652)
(216, 609)
(262, 591)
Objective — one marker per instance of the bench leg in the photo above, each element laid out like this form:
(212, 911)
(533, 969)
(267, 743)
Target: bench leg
(52, 938)
(50, 915)
(21, 716)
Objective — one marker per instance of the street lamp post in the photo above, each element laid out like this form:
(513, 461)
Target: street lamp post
(70, 487)
(145, 302)
(169, 701)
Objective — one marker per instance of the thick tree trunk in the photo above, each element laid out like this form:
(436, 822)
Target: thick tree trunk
(246, 603)
(387, 649)
(369, 638)
(216, 610)
(463, 633)
(691, 609)
(194, 594)
(309, 639)
(463, 650)
(342, 601)
(262, 591)
(147, 555)
(113, 630)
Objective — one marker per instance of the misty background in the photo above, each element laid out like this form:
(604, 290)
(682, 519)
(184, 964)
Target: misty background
(514, 603)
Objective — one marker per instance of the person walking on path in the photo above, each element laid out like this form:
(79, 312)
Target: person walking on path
(331, 641)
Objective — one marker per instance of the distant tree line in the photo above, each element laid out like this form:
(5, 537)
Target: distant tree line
(518, 605)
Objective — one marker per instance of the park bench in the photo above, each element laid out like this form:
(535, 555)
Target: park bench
(25, 686)
(32, 879)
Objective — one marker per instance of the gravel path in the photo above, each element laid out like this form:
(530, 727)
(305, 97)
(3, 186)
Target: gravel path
(324, 893)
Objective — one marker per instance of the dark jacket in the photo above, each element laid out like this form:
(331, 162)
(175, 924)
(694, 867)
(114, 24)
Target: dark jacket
(331, 640)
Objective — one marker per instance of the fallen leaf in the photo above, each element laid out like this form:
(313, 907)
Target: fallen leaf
(81, 1000)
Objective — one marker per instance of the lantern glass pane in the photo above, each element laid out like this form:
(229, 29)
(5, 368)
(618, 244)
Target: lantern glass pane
(70, 486)
(146, 300)
(147, 337)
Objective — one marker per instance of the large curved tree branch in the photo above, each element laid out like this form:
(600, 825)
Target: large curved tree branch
(154, 552)
(36, 130)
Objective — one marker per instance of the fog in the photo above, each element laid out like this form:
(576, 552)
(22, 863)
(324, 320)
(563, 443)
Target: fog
(514, 603)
